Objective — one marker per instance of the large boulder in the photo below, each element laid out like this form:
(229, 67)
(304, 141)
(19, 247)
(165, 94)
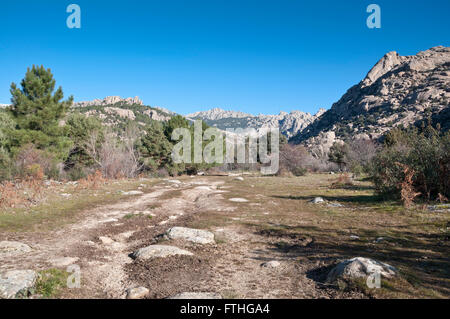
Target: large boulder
(16, 283)
(161, 251)
(194, 235)
(360, 267)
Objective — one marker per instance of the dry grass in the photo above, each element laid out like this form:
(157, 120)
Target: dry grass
(57, 210)
(415, 241)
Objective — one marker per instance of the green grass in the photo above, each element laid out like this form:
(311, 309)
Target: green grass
(51, 282)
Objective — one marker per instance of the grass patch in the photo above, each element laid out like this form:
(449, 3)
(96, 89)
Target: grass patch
(51, 282)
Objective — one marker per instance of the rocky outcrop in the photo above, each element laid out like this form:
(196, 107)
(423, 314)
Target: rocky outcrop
(289, 123)
(110, 100)
(398, 90)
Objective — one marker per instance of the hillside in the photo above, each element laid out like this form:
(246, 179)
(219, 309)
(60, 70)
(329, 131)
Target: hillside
(289, 123)
(398, 90)
(115, 111)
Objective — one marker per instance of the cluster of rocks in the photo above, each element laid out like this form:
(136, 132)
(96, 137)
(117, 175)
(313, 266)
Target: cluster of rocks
(109, 100)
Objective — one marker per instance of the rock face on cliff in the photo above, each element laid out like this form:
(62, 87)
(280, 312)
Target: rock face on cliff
(289, 123)
(398, 90)
(110, 100)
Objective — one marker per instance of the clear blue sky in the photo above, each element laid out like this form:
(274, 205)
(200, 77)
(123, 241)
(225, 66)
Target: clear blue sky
(189, 55)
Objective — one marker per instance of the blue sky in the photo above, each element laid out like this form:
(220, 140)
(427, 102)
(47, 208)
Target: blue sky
(190, 55)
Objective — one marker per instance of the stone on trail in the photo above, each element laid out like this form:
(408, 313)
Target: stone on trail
(162, 251)
(194, 235)
(239, 178)
(13, 247)
(105, 240)
(271, 264)
(137, 293)
(133, 193)
(360, 267)
(16, 283)
(196, 295)
(174, 181)
(238, 200)
(317, 200)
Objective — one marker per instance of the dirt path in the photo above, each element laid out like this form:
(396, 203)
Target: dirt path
(103, 240)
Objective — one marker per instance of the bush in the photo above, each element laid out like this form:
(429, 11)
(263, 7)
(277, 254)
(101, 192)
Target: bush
(418, 159)
(294, 159)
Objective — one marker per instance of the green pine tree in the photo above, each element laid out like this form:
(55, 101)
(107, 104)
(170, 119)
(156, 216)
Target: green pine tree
(37, 110)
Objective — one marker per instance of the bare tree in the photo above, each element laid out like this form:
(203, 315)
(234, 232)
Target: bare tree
(115, 158)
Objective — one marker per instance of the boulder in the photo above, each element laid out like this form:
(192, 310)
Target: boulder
(360, 267)
(161, 251)
(239, 178)
(16, 283)
(194, 235)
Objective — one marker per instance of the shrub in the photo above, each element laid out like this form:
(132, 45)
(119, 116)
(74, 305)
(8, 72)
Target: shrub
(294, 159)
(420, 159)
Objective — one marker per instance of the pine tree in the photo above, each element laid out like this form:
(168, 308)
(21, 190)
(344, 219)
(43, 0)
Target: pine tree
(37, 110)
(155, 148)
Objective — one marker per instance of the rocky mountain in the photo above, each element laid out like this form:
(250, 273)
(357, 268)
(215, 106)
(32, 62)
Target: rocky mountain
(2, 106)
(114, 111)
(289, 123)
(398, 90)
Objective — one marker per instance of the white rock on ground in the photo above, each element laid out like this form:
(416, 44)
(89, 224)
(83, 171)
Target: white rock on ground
(238, 200)
(193, 235)
(239, 178)
(105, 240)
(16, 282)
(13, 247)
(137, 293)
(317, 200)
(174, 181)
(196, 295)
(360, 267)
(162, 251)
(133, 193)
(271, 264)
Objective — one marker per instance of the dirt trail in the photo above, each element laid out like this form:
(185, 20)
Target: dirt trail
(103, 240)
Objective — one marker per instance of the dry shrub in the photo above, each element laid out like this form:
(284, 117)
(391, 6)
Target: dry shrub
(343, 180)
(93, 181)
(294, 159)
(116, 159)
(408, 193)
(22, 193)
(31, 162)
